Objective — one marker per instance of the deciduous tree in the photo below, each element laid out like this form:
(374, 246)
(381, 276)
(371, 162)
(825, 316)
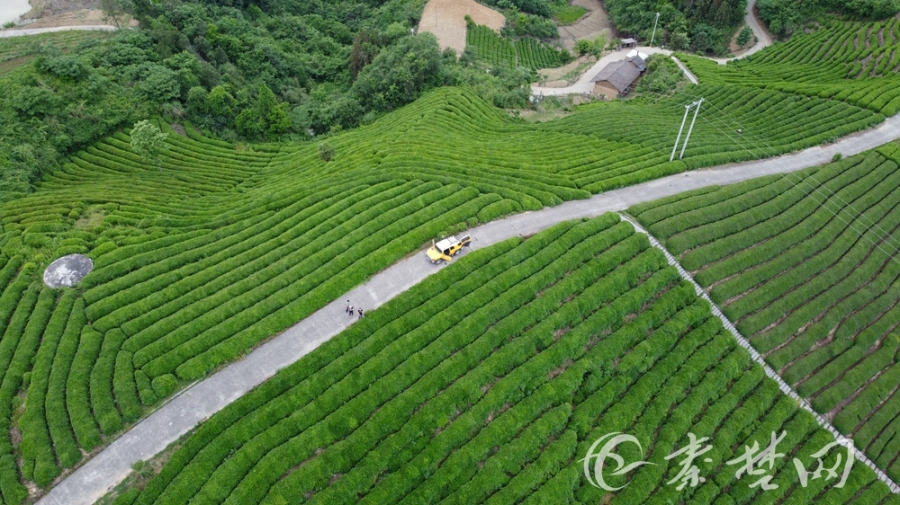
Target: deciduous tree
(147, 141)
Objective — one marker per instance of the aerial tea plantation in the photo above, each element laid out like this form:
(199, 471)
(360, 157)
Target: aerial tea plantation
(489, 381)
(805, 265)
(220, 247)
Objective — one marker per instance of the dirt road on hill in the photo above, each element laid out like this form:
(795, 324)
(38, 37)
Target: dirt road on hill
(60, 15)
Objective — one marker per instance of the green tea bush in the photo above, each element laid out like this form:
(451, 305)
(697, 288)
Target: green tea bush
(793, 265)
(462, 388)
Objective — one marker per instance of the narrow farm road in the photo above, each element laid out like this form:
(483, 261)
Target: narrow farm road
(205, 398)
(18, 32)
(763, 38)
(687, 73)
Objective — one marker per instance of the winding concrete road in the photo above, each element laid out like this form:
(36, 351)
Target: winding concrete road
(205, 398)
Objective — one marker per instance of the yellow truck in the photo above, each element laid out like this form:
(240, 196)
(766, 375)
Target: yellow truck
(446, 249)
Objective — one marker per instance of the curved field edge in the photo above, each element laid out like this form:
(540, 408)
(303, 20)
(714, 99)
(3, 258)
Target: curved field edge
(490, 379)
(804, 266)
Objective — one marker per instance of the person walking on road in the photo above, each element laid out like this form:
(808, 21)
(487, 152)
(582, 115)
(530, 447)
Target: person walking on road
(360, 313)
(349, 308)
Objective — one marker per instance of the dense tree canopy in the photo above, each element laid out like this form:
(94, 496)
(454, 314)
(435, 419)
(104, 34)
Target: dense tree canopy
(400, 74)
(700, 25)
(256, 70)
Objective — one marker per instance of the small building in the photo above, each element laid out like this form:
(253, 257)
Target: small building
(635, 52)
(626, 43)
(617, 78)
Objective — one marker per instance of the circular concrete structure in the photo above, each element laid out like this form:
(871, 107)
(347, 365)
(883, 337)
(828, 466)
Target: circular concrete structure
(67, 271)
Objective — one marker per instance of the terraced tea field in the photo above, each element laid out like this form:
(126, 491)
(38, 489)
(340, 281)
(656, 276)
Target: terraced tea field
(857, 63)
(496, 50)
(806, 266)
(488, 382)
(168, 306)
(226, 246)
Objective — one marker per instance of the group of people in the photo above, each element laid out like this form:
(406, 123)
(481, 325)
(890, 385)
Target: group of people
(349, 310)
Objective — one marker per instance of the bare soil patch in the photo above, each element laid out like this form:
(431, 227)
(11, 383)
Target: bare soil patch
(53, 13)
(595, 23)
(565, 75)
(47, 8)
(89, 220)
(446, 19)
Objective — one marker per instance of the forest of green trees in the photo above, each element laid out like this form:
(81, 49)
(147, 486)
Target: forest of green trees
(258, 71)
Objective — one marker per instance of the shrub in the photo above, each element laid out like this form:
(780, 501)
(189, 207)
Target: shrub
(326, 151)
(164, 385)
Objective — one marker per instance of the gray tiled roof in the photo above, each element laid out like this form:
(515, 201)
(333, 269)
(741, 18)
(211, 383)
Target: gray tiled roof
(638, 62)
(621, 74)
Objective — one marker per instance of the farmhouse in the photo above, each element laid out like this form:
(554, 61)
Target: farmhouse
(618, 77)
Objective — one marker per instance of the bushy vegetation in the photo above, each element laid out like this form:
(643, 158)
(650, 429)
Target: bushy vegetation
(744, 37)
(701, 26)
(786, 17)
(489, 381)
(17, 51)
(805, 266)
(663, 76)
(593, 46)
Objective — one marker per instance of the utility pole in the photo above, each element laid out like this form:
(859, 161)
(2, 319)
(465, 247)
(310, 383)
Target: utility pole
(686, 139)
(687, 109)
(654, 29)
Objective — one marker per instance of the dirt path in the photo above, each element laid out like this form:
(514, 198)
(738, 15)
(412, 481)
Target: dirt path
(446, 19)
(18, 32)
(594, 24)
(763, 38)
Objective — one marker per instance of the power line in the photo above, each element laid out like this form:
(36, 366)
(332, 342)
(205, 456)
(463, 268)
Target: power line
(886, 236)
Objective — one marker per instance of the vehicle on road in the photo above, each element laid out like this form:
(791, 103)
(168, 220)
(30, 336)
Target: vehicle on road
(446, 249)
